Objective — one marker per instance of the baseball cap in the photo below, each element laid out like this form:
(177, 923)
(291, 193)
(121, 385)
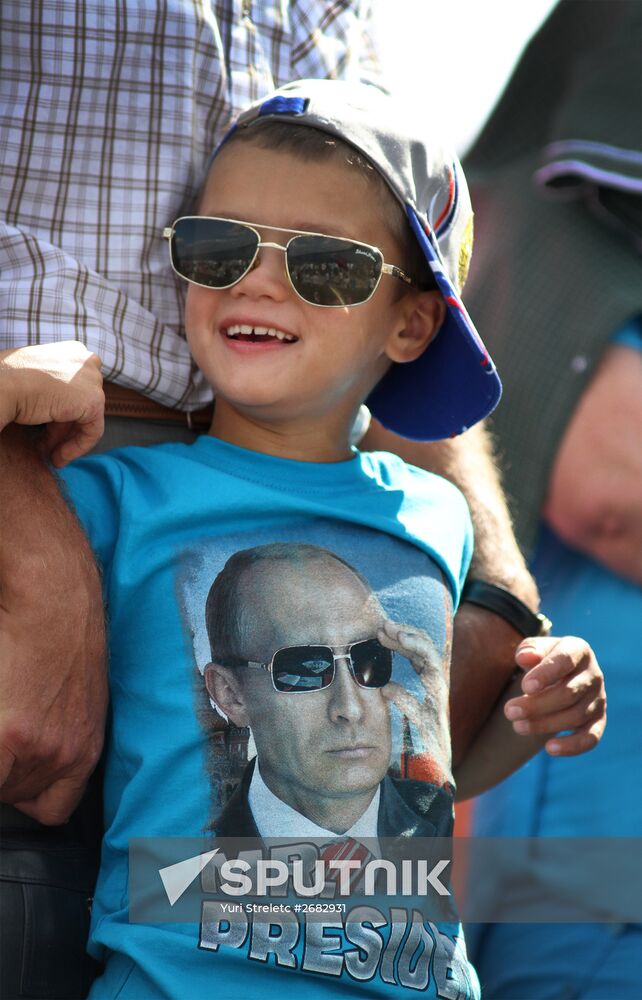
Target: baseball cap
(454, 383)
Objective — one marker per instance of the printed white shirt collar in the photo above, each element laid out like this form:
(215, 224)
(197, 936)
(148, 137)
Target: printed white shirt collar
(274, 818)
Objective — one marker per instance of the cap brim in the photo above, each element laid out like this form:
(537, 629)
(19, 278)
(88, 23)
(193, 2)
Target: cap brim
(452, 385)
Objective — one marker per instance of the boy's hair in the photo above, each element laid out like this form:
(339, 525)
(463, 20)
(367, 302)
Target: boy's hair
(307, 144)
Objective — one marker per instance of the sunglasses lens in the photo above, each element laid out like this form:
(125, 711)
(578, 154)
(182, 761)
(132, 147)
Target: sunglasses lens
(303, 668)
(212, 252)
(371, 663)
(327, 271)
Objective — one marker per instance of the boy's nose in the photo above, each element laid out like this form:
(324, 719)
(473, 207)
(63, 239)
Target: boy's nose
(267, 276)
(345, 696)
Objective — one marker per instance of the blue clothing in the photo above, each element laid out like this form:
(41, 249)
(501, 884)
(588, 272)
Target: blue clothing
(556, 797)
(164, 522)
(629, 335)
(560, 961)
(594, 795)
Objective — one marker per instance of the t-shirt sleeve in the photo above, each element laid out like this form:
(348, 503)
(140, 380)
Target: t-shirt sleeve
(437, 517)
(93, 487)
(451, 527)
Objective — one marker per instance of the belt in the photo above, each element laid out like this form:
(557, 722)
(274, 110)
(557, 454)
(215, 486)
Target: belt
(122, 402)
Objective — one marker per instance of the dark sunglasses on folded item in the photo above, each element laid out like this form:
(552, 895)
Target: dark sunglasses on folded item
(323, 270)
(301, 669)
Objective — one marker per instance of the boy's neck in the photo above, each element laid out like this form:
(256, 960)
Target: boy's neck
(312, 440)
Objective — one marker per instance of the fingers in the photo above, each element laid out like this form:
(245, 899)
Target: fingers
(568, 712)
(429, 719)
(564, 690)
(575, 701)
(548, 660)
(582, 740)
(59, 384)
(56, 804)
(413, 643)
(47, 789)
(406, 702)
(566, 693)
(27, 782)
(26, 774)
(83, 435)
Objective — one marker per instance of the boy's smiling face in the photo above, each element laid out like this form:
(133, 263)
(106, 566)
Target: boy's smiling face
(332, 358)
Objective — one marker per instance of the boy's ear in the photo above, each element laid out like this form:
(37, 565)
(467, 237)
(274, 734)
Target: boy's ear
(224, 686)
(421, 317)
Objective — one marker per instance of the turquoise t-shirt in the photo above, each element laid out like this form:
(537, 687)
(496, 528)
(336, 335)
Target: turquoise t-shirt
(292, 554)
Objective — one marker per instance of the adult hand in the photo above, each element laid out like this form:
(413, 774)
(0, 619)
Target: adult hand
(563, 690)
(594, 500)
(53, 689)
(59, 385)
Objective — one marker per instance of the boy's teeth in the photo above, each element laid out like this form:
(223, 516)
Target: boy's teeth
(242, 329)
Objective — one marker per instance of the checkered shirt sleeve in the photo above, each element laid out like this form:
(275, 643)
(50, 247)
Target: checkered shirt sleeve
(108, 112)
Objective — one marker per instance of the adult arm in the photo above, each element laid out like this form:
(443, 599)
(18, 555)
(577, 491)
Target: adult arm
(484, 644)
(594, 500)
(53, 690)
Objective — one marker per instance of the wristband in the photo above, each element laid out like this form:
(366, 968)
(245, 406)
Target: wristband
(501, 602)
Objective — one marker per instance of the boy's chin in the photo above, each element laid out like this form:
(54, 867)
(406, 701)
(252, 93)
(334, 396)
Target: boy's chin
(263, 409)
(264, 404)
(279, 411)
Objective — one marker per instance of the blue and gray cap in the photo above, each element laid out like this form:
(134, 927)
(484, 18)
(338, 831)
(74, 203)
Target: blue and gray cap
(454, 383)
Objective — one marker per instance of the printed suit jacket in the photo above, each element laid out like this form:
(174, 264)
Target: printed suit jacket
(406, 809)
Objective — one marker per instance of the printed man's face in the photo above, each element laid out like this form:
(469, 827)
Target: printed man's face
(334, 742)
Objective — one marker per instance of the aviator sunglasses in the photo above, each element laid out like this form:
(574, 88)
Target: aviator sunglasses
(298, 669)
(323, 270)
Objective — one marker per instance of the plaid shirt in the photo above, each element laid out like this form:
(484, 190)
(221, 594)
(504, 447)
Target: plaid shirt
(108, 113)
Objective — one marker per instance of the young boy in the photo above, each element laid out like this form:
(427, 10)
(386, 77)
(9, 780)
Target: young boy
(323, 268)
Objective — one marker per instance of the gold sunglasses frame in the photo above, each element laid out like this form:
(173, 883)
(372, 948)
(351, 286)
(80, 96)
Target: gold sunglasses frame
(389, 269)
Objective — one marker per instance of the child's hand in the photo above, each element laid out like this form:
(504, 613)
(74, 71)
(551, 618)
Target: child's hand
(56, 384)
(563, 690)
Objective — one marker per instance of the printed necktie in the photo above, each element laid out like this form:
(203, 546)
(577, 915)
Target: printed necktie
(345, 849)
